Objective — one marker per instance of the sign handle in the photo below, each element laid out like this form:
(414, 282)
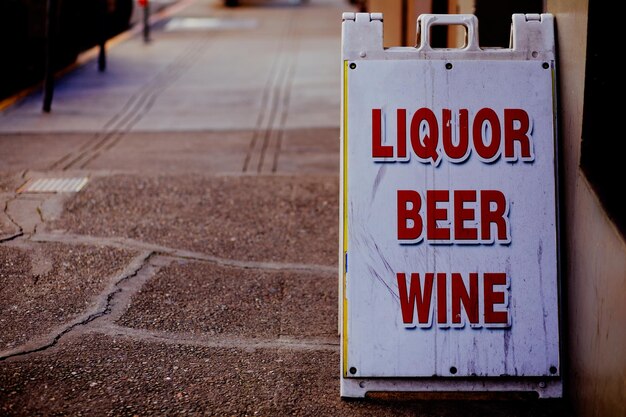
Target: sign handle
(425, 21)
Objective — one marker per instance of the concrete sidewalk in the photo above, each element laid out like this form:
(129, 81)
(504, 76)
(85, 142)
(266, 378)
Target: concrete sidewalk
(195, 272)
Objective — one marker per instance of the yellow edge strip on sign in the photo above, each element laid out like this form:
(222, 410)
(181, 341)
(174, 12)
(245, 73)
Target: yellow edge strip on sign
(344, 333)
(554, 108)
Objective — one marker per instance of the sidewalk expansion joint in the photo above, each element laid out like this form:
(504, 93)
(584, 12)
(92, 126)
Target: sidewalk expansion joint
(140, 263)
(306, 343)
(125, 243)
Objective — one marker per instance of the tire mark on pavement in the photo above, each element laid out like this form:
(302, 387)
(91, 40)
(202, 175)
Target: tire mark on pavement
(284, 111)
(265, 98)
(275, 98)
(135, 108)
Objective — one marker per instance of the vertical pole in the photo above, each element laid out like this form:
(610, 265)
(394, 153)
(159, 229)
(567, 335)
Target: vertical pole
(404, 15)
(102, 37)
(48, 81)
(102, 59)
(146, 21)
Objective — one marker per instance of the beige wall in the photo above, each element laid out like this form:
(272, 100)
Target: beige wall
(416, 8)
(457, 35)
(392, 15)
(594, 271)
(392, 27)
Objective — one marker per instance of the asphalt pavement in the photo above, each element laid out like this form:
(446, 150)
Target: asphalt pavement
(169, 232)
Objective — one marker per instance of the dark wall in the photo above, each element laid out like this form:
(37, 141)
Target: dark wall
(494, 19)
(79, 24)
(603, 147)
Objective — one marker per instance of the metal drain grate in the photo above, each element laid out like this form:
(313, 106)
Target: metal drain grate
(209, 23)
(53, 185)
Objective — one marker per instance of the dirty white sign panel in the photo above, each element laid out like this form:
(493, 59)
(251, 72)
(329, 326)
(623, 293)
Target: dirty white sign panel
(449, 218)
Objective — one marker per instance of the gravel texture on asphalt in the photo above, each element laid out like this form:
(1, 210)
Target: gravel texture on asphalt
(253, 218)
(201, 297)
(48, 285)
(309, 151)
(100, 376)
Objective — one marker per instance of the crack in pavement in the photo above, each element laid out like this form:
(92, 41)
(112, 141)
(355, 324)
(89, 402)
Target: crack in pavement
(135, 266)
(114, 301)
(118, 296)
(20, 231)
(11, 237)
(41, 219)
(24, 211)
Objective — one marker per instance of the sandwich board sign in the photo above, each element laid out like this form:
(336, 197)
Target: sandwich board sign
(449, 221)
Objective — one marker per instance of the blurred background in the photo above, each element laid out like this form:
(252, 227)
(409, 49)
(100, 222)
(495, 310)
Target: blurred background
(494, 17)
(78, 25)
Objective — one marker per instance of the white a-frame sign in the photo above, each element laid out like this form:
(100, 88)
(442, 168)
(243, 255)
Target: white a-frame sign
(449, 274)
